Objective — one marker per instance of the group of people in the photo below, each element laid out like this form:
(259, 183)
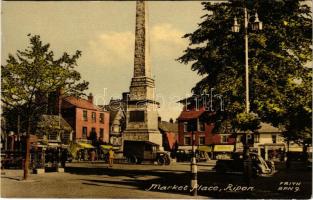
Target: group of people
(94, 155)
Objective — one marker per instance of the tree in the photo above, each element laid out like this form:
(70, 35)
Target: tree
(280, 89)
(31, 75)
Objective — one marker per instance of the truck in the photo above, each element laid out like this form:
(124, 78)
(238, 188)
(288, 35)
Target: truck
(138, 151)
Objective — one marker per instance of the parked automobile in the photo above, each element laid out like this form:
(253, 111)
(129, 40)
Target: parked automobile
(186, 156)
(12, 159)
(138, 151)
(260, 167)
(183, 155)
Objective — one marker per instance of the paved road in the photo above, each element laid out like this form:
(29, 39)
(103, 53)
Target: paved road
(85, 180)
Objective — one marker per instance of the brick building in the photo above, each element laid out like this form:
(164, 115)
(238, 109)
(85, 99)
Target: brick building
(85, 117)
(206, 135)
(169, 131)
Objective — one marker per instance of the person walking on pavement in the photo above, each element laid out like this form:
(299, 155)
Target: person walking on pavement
(64, 157)
(93, 155)
(111, 157)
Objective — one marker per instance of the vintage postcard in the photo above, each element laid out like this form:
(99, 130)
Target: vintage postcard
(156, 99)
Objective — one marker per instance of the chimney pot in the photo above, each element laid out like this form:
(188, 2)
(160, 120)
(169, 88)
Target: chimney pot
(90, 98)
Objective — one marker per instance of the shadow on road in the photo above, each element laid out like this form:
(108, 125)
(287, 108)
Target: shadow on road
(263, 187)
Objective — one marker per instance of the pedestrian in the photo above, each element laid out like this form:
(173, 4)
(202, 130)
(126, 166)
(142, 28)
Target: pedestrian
(64, 157)
(92, 155)
(84, 154)
(78, 155)
(111, 157)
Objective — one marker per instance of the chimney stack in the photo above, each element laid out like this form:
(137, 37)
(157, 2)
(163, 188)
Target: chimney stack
(90, 98)
(125, 96)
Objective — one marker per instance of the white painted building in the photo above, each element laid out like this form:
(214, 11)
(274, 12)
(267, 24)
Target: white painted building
(268, 142)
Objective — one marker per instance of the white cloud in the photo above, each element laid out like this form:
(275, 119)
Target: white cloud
(112, 48)
(166, 40)
(117, 48)
(166, 33)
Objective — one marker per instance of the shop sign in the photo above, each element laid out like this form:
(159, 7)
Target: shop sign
(223, 148)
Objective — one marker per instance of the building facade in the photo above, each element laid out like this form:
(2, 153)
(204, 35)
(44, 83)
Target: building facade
(86, 118)
(117, 110)
(268, 141)
(169, 131)
(206, 134)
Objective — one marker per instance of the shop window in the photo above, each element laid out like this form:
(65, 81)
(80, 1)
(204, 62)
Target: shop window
(185, 127)
(256, 138)
(93, 116)
(223, 138)
(84, 132)
(187, 141)
(101, 118)
(201, 126)
(201, 140)
(274, 138)
(85, 117)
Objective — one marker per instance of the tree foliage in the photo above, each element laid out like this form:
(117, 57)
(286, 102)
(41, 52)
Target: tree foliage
(30, 75)
(280, 91)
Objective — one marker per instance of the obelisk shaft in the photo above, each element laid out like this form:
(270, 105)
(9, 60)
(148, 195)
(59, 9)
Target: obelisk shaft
(142, 116)
(142, 47)
(142, 85)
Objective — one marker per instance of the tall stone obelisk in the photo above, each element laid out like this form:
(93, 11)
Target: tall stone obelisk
(142, 116)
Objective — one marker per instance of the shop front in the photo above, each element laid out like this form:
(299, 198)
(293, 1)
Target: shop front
(222, 151)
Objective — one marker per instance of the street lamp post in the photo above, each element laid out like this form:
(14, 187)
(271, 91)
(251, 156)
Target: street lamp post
(192, 127)
(256, 25)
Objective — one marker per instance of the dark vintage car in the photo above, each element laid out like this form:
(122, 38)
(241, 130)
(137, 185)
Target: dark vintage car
(260, 167)
(186, 156)
(139, 151)
(12, 159)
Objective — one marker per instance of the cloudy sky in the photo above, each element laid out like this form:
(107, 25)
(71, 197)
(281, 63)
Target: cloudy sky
(104, 32)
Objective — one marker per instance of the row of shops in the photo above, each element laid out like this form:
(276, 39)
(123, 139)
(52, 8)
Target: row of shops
(44, 154)
(276, 152)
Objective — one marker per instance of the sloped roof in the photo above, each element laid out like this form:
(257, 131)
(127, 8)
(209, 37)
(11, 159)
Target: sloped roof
(168, 127)
(53, 122)
(113, 112)
(268, 128)
(191, 114)
(81, 103)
